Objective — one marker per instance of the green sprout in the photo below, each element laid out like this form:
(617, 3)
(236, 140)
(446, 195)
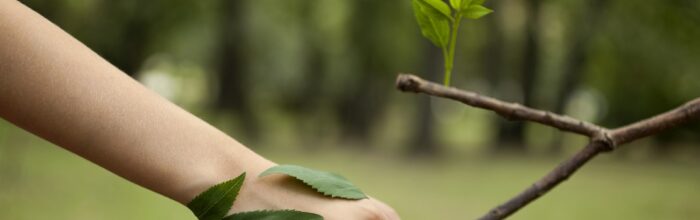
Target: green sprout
(439, 23)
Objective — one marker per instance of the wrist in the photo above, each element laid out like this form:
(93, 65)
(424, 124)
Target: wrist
(226, 168)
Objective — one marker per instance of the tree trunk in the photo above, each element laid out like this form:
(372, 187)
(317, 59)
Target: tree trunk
(134, 52)
(576, 62)
(423, 141)
(510, 135)
(233, 90)
(362, 102)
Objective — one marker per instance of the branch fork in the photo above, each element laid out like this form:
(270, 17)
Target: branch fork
(601, 139)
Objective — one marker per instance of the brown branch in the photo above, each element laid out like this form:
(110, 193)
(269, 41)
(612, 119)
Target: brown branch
(656, 124)
(602, 139)
(552, 179)
(511, 111)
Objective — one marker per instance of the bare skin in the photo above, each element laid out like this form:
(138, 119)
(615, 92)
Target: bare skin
(57, 88)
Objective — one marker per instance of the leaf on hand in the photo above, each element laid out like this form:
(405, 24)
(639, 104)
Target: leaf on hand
(274, 215)
(215, 202)
(434, 25)
(329, 184)
(476, 11)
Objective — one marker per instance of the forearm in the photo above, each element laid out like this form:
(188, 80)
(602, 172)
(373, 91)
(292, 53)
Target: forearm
(55, 87)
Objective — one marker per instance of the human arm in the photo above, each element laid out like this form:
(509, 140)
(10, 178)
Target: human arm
(57, 88)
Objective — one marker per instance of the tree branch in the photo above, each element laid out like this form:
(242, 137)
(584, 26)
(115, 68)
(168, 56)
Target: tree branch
(562, 172)
(656, 124)
(511, 111)
(602, 139)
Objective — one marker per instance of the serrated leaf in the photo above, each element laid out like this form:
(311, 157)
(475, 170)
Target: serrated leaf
(329, 184)
(433, 25)
(440, 6)
(476, 11)
(215, 202)
(274, 215)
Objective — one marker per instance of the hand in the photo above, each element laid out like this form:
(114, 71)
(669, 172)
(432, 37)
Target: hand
(284, 192)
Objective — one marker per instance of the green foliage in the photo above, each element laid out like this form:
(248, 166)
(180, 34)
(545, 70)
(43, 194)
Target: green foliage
(476, 11)
(434, 18)
(329, 184)
(274, 215)
(464, 4)
(439, 6)
(434, 25)
(214, 203)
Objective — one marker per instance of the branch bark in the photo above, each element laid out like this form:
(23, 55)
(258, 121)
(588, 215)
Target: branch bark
(552, 179)
(511, 111)
(656, 124)
(601, 138)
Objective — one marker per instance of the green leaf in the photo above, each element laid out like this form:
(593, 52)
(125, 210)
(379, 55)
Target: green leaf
(329, 184)
(476, 11)
(215, 202)
(476, 2)
(274, 215)
(460, 5)
(440, 6)
(456, 4)
(433, 25)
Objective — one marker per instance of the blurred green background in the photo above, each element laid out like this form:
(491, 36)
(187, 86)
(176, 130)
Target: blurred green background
(310, 82)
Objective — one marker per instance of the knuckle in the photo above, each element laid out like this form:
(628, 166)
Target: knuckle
(374, 213)
(375, 216)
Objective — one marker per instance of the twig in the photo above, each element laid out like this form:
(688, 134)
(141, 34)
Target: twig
(552, 179)
(511, 111)
(602, 139)
(656, 124)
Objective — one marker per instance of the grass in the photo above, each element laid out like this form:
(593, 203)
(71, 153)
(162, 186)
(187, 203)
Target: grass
(40, 181)
(466, 189)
